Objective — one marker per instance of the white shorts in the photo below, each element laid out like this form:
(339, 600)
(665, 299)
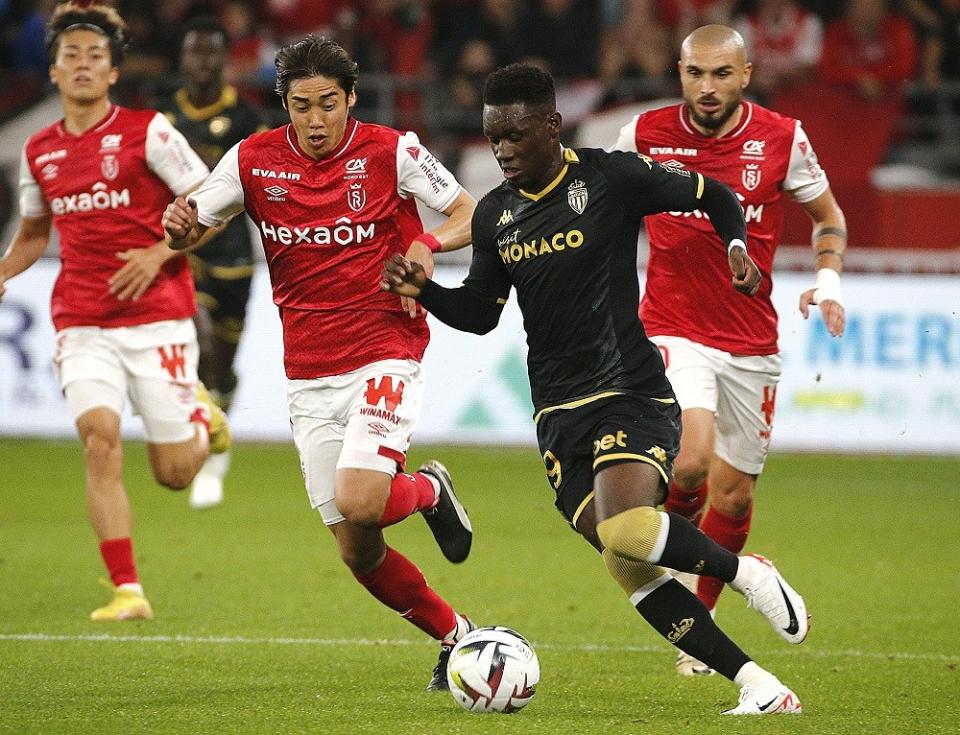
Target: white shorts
(154, 365)
(740, 390)
(363, 419)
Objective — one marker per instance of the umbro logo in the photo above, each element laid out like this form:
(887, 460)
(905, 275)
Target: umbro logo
(276, 193)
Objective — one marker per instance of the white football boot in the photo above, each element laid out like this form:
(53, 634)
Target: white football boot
(772, 699)
(769, 594)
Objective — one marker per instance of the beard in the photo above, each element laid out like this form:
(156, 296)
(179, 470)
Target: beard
(716, 120)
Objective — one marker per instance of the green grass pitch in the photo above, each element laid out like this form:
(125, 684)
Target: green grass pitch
(260, 629)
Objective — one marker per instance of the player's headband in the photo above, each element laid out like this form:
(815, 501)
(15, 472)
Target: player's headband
(85, 27)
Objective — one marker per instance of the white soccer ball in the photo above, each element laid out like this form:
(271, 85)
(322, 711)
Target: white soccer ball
(493, 670)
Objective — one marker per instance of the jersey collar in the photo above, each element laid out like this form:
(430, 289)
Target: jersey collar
(111, 115)
(228, 98)
(349, 134)
(745, 119)
(569, 156)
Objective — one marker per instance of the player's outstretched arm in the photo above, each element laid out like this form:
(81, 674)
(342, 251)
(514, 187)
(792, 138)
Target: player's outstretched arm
(829, 244)
(461, 308)
(25, 249)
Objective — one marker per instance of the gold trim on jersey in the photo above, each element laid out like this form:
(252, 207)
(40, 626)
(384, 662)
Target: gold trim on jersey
(668, 401)
(575, 404)
(580, 508)
(228, 98)
(700, 184)
(627, 455)
(569, 156)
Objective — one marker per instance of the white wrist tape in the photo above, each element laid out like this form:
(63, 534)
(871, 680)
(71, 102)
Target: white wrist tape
(827, 287)
(736, 243)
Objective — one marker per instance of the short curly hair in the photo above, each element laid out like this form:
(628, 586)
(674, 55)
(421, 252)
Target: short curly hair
(101, 19)
(520, 84)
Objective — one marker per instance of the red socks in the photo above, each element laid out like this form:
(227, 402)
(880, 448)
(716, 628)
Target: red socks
(408, 494)
(687, 503)
(731, 534)
(117, 554)
(399, 585)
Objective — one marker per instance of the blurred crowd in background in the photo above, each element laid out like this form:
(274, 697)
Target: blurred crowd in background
(873, 80)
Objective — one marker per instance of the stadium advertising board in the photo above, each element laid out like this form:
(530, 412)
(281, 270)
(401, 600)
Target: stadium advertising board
(891, 384)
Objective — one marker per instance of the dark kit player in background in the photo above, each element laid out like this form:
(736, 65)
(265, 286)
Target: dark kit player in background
(213, 118)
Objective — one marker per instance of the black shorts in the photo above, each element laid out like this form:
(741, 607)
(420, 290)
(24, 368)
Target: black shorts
(223, 292)
(578, 441)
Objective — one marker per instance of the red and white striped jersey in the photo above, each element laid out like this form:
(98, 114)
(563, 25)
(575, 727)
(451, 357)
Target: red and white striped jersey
(688, 292)
(326, 227)
(106, 190)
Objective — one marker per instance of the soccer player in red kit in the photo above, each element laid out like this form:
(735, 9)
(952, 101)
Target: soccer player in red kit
(720, 349)
(123, 301)
(332, 198)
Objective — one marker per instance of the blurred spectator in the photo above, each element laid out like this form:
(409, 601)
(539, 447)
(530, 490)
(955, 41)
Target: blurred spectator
(638, 61)
(685, 15)
(252, 49)
(939, 24)
(28, 49)
(784, 43)
(294, 19)
(869, 48)
(563, 36)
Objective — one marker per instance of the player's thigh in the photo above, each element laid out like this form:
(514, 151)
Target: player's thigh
(161, 364)
(692, 370)
(578, 444)
(745, 413)
(90, 369)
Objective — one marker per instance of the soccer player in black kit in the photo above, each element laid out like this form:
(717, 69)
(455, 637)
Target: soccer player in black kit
(213, 118)
(562, 230)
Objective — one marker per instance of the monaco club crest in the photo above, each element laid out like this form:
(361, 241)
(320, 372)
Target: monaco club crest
(577, 196)
(356, 197)
(110, 167)
(751, 176)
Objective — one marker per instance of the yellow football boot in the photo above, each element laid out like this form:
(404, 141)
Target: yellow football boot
(125, 605)
(220, 438)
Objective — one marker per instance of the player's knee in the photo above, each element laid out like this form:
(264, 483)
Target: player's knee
(735, 504)
(174, 476)
(361, 499)
(690, 468)
(632, 534)
(100, 450)
(359, 560)
(631, 575)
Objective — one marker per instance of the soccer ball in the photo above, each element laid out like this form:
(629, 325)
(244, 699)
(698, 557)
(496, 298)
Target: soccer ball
(493, 670)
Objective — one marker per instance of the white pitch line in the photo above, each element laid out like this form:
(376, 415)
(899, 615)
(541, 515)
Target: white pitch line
(398, 642)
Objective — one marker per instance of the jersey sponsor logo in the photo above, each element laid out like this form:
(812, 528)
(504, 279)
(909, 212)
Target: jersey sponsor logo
(50, 171)
(577, 196)
(110, 167)
(268, 173)
(751, 176)
(754, 148)
(344, 232)
(99, 197)
(558, 242)
(111, 141)
(803, 147)
(506, 218)
(667, 151)
(414, 152)
(385, 391)
(174, 361)
(428, 166)
(164, 136)
(751, 212)
(276, 193)
(356, 165)
(50, 156)
(356, 197)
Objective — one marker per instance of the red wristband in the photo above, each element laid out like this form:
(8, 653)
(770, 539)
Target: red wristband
(430, 240)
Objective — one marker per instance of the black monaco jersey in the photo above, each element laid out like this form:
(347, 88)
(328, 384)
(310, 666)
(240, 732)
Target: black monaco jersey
(211, 132)
(570, 251)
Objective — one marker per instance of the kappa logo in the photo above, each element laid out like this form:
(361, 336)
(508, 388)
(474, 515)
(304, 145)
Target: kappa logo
(276, 193)
(577, 196)
(506, 218)
(111, 141)
(658, 454)
(357, 165)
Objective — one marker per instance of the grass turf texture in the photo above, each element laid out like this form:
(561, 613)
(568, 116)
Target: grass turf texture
(260, 629)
